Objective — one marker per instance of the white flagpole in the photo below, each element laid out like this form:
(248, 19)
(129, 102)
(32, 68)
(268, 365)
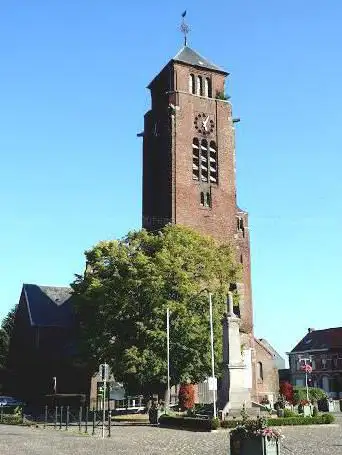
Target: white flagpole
(212, 350)
(168, 357)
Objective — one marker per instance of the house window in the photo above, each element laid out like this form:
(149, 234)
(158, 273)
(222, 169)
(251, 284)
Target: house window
(213, 162)
(207, 87)
(192, 84)
(199, 85)
(260, 372)
(202, 199)
(195, 159)
(204, 160)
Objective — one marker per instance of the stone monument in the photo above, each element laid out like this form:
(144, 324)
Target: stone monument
(234, 392)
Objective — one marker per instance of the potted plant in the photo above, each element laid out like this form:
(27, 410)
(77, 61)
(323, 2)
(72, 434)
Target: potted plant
(154, 412)
(304, 407)
(254, 437)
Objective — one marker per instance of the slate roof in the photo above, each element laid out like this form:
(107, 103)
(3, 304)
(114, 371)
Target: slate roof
(49, 306)
(191, 57)
(320, 339)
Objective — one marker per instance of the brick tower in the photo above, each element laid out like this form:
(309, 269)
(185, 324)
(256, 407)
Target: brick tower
(189, 179)
(189, 160)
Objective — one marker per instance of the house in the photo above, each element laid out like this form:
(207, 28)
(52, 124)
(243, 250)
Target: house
(322, 350)
(42, 354)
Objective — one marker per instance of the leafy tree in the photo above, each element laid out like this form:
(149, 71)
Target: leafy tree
(122, 299)
(6, 330)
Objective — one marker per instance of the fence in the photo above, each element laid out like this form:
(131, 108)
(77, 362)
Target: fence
(85, 420)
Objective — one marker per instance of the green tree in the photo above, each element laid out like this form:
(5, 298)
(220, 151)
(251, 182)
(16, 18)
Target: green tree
(122, 299)
(6, 330)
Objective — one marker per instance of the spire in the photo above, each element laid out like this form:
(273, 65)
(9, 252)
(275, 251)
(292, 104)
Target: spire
(185, 29)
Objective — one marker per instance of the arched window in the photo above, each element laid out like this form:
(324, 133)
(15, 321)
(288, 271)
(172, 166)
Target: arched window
(213, 162)
(195, 159)
(207, 87)
(204, 160)
(199, 85)
(260, 372)
(192, 84)
(202, 198)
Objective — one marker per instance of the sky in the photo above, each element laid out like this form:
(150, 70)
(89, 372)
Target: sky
(73, 77)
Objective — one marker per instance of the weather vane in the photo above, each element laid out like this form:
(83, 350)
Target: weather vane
(185, 29)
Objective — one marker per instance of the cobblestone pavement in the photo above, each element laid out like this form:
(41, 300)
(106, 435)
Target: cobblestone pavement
(145, 440)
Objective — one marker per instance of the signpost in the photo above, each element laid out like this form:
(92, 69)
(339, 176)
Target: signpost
(104, 375)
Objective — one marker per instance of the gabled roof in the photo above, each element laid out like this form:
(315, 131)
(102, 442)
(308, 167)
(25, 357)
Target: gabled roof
(320, 339)
(191, 57)
(49, 306)
(270, 347)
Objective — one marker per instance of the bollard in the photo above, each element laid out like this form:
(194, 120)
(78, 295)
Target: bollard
(86, 420)
(61, 418)
(56, 416)
(45, 416)
(80, 419)
(94, 417)
(67, 418)
(109, 423)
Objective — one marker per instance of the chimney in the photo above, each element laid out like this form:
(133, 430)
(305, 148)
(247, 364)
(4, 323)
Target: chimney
(310, 329)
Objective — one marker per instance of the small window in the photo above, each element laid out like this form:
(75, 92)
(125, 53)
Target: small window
(241, 259)
(199, 85)
(260, 371)
(207, 87)
(192, 84)
(202, 199)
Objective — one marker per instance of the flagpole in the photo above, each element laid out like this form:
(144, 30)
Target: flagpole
(212, 350)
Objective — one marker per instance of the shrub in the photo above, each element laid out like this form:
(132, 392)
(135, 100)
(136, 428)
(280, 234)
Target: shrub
(299, 420)
(186, 396)
(289, 413)
(314, 411)
(230, 423)
(287, 421)
(11, 419)
(189, 423)
(315, 394)
(286, 390)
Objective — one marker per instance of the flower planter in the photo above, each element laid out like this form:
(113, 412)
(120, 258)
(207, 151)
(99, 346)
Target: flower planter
(307, 410)
(154, 415)
(258, 445)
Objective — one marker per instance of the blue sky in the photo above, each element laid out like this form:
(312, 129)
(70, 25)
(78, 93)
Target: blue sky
(72, 98)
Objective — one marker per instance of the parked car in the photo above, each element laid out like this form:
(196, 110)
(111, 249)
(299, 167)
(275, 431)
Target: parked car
(10, 401)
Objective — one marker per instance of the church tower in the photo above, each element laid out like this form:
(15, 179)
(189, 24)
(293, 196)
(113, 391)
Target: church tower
(189, 160)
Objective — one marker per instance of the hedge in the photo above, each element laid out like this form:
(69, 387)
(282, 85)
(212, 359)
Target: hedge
(189, 423)
(283, 421)
(11, 419)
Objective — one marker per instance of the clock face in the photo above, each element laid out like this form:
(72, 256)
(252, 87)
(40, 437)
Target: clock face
(204, 124)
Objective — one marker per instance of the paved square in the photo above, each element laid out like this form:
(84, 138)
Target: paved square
(145, 440)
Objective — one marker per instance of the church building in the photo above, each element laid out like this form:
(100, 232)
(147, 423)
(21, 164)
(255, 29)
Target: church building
(189, 178)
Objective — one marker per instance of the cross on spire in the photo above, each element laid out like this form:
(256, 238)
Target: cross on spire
(185, 29)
